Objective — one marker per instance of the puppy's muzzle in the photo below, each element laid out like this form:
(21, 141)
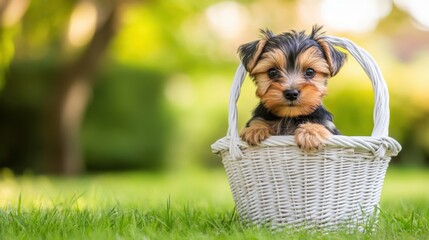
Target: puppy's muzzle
(291, 94)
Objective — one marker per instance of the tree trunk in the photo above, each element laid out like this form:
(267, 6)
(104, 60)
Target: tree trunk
(70, 97)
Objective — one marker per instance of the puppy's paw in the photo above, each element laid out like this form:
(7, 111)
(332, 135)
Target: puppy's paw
(311, 136)
(255, 134)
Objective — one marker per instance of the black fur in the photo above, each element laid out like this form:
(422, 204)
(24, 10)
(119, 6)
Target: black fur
(338, 58)
(246, 52)
(292, 44)
(288, 125)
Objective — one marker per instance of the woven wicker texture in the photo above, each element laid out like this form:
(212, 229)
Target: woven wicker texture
(279, 185)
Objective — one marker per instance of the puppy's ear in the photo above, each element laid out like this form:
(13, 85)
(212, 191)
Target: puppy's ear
(334, 57)
(250, 52)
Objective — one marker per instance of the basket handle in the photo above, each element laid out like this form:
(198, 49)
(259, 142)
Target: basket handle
(381, 113)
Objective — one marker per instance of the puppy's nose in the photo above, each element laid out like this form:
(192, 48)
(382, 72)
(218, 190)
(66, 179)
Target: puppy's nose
(291, 94)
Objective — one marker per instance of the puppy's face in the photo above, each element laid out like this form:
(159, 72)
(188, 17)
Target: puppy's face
(291, 70)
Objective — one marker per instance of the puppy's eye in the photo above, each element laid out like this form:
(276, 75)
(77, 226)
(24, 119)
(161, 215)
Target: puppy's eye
(310, 73)
(273, 73)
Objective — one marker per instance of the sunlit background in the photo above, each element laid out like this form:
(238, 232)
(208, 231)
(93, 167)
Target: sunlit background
(95, 85)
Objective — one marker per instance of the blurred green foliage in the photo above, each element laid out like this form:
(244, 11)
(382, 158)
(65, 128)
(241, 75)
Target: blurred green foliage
(127, 120)
(22, 113)
(159, 94)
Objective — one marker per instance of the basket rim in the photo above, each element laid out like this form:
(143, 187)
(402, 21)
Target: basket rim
(379, 146)
(381, 113)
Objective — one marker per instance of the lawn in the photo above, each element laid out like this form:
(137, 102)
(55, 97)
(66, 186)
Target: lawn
(177, 205)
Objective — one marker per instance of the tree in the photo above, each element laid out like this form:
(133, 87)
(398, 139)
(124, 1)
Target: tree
(72, 92)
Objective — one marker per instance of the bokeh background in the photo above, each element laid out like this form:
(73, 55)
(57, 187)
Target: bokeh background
(108, 85)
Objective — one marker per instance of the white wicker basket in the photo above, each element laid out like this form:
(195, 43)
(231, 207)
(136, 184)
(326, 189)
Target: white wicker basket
(279, 185)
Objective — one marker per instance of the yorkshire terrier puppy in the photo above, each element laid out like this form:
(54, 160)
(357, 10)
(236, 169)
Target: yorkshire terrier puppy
(290, 71)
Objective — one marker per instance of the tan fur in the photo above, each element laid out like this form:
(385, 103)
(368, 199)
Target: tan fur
(271, 92)
(272, 59)
(311, 136)
(257, 131)
(325, 46)
(255, 57)
(312, 58)
(310, 99)
(263, 83)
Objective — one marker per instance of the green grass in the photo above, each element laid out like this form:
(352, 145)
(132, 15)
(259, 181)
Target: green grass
(180, 205)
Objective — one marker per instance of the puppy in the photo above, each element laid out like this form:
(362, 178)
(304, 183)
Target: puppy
(290, 71)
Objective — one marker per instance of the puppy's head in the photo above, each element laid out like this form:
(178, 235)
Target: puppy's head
(291, 70)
